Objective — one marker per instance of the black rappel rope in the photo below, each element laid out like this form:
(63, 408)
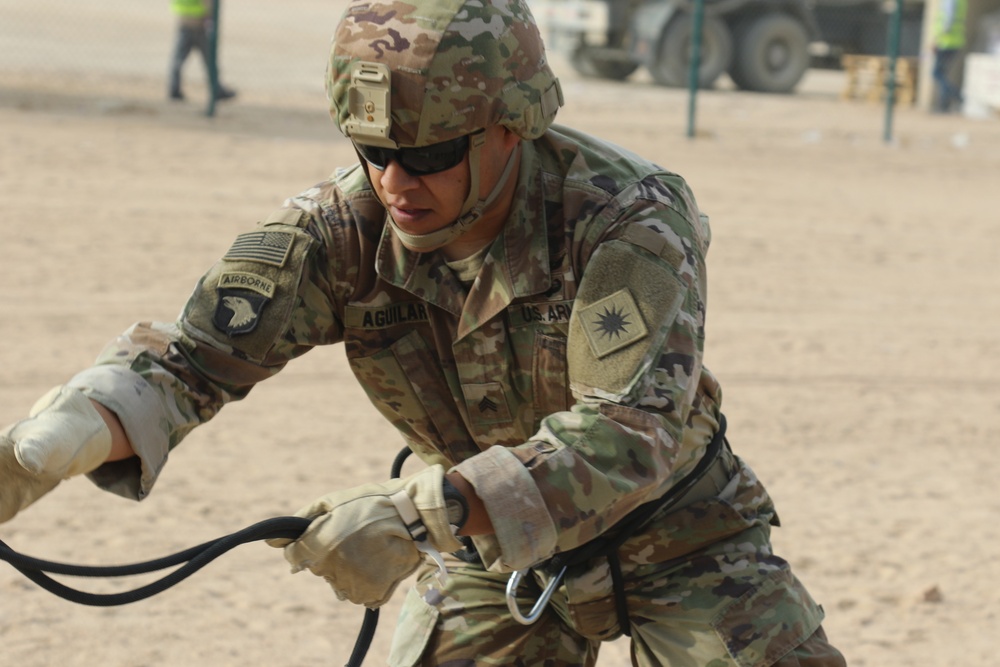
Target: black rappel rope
(195, 558)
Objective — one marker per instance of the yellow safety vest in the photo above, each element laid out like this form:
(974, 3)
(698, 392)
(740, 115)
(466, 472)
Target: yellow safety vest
(949, 26)
(189, 8)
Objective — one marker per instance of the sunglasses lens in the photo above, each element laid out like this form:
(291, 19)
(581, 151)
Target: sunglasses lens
(434, 158)
(421, 161)
(375, 156)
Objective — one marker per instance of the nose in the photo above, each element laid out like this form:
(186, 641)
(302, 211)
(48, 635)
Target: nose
(396, 180)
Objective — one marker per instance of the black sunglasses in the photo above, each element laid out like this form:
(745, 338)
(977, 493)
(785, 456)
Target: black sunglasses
(421, 161)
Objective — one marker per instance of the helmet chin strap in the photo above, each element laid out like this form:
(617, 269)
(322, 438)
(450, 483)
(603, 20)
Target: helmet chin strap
(472, 210)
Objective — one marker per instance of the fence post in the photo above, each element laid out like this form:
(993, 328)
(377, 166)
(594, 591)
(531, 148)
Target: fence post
(213, 69)
(696, 23)
(893, 44)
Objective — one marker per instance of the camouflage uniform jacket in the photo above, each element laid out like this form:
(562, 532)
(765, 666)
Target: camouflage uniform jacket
(566, 384)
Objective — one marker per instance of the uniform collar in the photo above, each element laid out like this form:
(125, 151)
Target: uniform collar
(517, 264)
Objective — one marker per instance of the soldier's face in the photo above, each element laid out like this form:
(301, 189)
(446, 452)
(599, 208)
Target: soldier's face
(424, 204)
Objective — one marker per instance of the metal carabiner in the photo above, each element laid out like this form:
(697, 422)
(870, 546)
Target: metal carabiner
(435, 555)
(540, 604)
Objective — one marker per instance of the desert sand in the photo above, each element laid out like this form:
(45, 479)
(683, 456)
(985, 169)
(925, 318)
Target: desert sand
(852, 319)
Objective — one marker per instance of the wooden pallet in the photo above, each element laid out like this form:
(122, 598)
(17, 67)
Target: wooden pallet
(867, 78)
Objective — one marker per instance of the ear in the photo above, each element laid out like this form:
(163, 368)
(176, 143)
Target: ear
(509, 139)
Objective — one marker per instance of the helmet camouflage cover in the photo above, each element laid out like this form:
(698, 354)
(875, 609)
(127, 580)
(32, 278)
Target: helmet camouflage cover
(422, 72)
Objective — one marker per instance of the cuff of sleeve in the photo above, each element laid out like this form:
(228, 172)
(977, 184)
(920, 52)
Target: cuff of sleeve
(523, 527)
(135, 402)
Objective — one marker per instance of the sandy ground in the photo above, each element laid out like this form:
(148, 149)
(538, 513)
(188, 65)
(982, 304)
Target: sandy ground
(852, 321)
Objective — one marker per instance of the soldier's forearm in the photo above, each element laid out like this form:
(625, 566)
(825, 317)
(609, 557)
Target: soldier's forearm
(121, 448)
(479, 522)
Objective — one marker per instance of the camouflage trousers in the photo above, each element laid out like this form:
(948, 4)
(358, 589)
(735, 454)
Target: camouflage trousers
(733, 605)
(702, 586)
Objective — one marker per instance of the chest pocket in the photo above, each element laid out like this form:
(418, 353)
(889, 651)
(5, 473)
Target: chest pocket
(404, 382)
(538, 338)
(549, 373)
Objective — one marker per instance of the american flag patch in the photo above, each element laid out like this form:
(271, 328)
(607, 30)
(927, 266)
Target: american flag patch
(265, 247)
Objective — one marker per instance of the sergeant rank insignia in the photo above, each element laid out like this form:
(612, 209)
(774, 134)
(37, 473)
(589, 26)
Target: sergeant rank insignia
(612, 323)
(242, 297)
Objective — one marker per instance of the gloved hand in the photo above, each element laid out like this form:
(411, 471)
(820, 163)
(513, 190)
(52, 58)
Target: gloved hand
(362, 540)
(63, 436)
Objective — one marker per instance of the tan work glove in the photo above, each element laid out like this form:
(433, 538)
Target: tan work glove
(362, 540)
(63, 436)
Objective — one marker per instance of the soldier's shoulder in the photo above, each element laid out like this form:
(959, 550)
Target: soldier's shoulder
(586, 161)
(345, 199)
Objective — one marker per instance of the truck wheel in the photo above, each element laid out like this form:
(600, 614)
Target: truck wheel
(587, 63)
(772, 54)
(673, 62)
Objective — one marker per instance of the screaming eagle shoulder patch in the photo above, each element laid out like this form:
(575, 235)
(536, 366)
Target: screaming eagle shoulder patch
(241, 300)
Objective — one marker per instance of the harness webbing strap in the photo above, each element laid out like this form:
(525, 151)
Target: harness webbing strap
(618, 585)
(608, 544)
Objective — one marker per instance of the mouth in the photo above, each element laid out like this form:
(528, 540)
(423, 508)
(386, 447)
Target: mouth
(408, 215)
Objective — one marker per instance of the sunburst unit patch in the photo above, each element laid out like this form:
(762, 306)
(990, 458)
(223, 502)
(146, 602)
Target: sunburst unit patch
(612, 323)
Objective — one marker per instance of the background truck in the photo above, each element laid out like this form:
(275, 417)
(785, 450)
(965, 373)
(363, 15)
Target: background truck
(763, 45)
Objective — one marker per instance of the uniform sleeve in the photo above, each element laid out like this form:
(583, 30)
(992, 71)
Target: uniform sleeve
(641, 419)
(273, 296)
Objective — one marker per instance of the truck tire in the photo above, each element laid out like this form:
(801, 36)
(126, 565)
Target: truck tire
(588, 63)
(772, 54)
(673, 60)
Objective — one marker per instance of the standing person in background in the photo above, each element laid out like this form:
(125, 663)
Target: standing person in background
(195, 24)
(949, 40)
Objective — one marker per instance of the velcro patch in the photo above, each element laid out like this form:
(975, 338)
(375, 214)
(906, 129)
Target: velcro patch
(383, 317)
(285, 216)
(612, 323)
(248, 281)
(624, 310)
(264, 247)
(252, 303)
(238, 311)
(487, 403)
(553, 312)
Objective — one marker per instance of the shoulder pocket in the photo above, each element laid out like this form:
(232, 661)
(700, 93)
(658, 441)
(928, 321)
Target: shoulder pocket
(406, 387)
(626, 305)
(245, 301)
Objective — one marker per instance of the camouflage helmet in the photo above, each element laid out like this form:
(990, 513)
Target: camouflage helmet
(421, 72)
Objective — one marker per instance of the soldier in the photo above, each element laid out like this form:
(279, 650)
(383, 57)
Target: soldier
(526, 304)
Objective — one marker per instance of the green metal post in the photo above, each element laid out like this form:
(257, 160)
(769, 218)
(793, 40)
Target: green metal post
(890, 97)
(698, 19)
(213, 70)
